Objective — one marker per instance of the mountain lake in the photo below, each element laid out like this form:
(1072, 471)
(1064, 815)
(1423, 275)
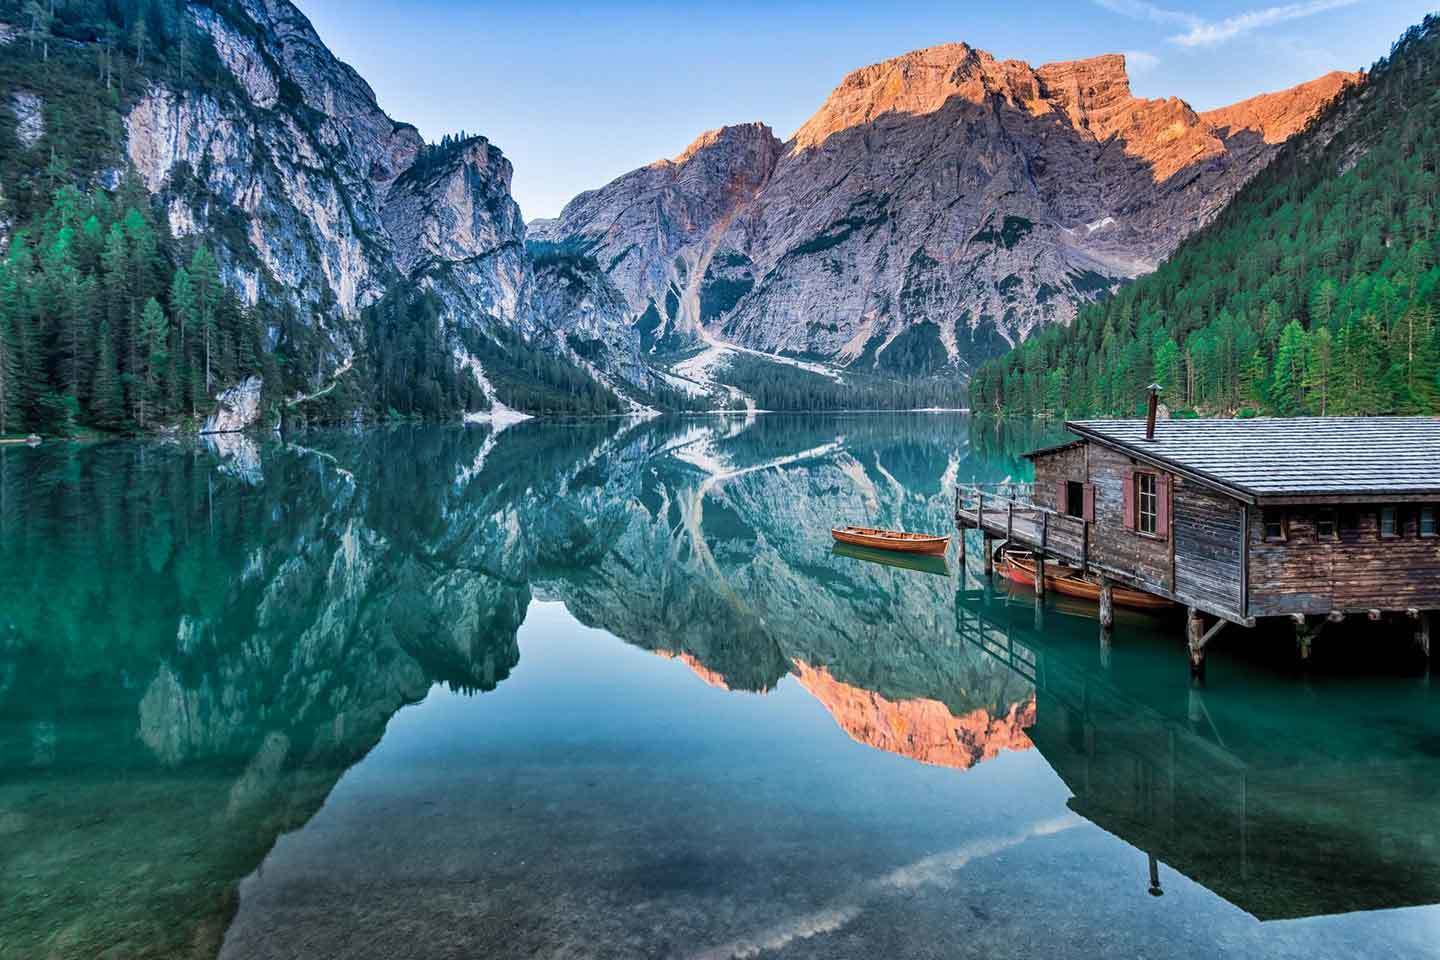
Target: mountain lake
(605, 688)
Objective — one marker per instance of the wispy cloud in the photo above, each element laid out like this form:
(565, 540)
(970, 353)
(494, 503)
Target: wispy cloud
(1143, 10)
(1140, 61)
(1200, 32)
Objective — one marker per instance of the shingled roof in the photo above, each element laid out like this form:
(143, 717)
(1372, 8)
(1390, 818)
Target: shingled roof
(1287, 459)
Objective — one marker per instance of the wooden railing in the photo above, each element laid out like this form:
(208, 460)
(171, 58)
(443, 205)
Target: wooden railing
(1009, 510)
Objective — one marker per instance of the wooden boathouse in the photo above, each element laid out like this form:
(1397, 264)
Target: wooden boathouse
(1315, 519)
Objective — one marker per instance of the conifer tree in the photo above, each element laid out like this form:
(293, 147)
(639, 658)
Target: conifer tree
(155, 334)
(107, 400)
(1287, 382)
(1318, 371)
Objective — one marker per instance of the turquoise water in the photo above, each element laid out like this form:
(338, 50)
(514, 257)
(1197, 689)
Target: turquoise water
(606, 690)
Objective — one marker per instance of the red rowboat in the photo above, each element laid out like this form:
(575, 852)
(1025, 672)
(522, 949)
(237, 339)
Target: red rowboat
(1018, 566)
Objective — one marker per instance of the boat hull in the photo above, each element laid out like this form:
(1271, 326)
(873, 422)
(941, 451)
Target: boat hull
(893, 540)
(1068, 582)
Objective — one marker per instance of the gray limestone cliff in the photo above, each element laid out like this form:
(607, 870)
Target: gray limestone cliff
(314, 196)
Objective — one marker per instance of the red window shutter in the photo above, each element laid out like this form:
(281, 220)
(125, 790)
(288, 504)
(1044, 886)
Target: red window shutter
(1129, 498)
(1062, 496)
(1162, 506)
(1089, 509)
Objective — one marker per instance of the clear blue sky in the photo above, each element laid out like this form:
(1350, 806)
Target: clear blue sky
(578, 93)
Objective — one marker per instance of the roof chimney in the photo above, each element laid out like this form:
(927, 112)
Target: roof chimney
(1150, 411)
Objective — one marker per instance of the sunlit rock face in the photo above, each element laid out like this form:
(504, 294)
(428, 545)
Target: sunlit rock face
(936, 209)
(922, 730)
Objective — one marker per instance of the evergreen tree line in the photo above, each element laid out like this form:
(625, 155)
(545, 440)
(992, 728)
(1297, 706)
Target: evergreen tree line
(104, 322)
(413, 370)
(1315, 292)
(776, 386)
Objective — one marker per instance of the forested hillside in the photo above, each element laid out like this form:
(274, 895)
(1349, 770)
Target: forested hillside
(1314, 292)
(110, 322)
(90, 285)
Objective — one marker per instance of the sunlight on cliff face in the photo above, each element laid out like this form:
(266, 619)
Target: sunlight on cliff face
(922, 730)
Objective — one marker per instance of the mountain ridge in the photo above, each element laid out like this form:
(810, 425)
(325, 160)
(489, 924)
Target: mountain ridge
(880, 161)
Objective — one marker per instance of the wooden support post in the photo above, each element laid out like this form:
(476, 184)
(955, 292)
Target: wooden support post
(989, 547)
(1107, 604)
(1304, 634)
(979, 509)
(1040, 555)
(1105, 647)
(962, 552)
(1010, 521)
(1195, 637)
(1423, 626)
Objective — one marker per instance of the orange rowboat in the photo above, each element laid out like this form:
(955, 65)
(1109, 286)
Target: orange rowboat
(1018, 566)
(890, 540)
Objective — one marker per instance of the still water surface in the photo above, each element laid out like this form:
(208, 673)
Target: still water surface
(605, 690)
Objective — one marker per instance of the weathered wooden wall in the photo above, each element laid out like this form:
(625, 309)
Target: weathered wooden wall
(1147, 558)
(1067, 463)
(1200, 564)
(1209, 530)
(1358, 572)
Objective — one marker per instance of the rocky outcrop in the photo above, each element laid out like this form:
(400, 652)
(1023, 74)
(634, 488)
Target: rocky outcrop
(655, 230)
(29, 111)
(237, 408)
(935, 210)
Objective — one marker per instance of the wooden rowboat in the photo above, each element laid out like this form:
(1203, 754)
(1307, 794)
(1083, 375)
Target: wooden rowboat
(1018, 566)
(895, 540)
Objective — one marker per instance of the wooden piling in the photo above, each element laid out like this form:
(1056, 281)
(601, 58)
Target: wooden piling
(1304, 635)
(1107, 604)
(1040, 555)
(1195, 635)
(988, 546)
(1424, 625)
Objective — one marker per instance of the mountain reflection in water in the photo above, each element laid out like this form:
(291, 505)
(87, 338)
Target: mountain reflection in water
(197, 642)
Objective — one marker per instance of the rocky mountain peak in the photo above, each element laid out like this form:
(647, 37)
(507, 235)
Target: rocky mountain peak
(937, 208)
(740, 136)
(923, 81)
(1280, 115)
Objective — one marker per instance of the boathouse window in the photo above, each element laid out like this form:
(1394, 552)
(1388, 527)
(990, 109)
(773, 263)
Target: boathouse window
(1275, 526)
(1389, 522)
(1326, 525)
(1074, 499)
(1147, 501)
(1427, 521)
